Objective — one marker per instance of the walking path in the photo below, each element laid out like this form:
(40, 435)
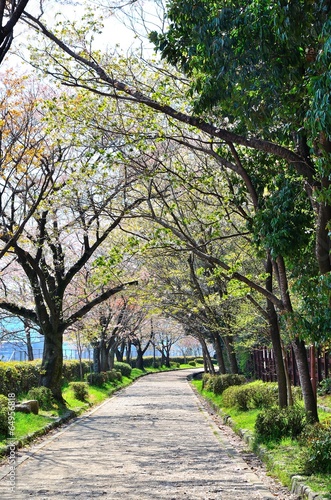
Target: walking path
(153, 440)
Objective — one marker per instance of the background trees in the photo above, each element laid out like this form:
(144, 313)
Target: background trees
(82, 198)
(236, 182)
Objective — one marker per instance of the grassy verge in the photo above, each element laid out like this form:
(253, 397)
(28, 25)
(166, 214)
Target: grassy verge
(283, 459)
(28, 424)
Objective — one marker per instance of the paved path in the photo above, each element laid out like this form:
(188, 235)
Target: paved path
(153, 440)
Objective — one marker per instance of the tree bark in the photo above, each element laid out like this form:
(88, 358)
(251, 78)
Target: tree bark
(219, 354)
(140, 360)
(231, 354)
(52, 364)
(208, 364)
(28, 340)
(298, 347)
(276, 340)
(305, 382)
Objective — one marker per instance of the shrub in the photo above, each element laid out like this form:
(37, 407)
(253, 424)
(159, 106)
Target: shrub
(229, 396)
(324, 387)
(114, 376)
(222, 382)
(71, 369)
(274, 423)
(3, 415)
(43, 395)
(256, 394)
(80, 390)
(97, 379)
(263, 394)
(207, 382)
(173, 364)
(199, 361)
(317, 448)
(192, 363)
(124, 368)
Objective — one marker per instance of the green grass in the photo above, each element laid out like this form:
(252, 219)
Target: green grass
(283, 459)
(29, 423)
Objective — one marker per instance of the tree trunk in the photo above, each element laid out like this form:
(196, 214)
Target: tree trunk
(298, 347)
(231, 354)
(282, 378)
(219, 354)
(167, 357)
(128, 352)
(208, 364)
(28, 340)
(111, 358)
(304, 375)
(104, 354)
(96, 359)
(279, 362)
(52, 364)
(140, 360)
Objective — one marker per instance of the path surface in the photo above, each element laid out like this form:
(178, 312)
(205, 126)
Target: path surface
(153, 440)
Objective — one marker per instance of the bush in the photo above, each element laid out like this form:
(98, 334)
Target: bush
(317, 448)
(263, 394)
(274, 423)
(222, 382)
(18, 377)
(207, 382)
(173, 364)
(199, 361)
(3, 415)
(80, 390)
(43, 395)
(124, 368)
(192, 363)
(256, 394)
(97, 379)
(71, 369)
(114, 376)
(324, 387)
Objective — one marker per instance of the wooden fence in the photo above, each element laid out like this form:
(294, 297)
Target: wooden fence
(265, 369)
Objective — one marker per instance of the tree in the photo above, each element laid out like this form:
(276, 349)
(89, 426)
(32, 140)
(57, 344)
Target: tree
(10, 13)
(166, 333)
(227, 138)
(71, 223)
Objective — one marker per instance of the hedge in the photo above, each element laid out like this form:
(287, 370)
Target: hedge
(22, 376)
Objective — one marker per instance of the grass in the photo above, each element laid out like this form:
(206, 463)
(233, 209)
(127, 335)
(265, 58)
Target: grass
(283, 459)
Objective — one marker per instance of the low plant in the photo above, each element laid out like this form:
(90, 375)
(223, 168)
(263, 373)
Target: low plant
(43, 395)
(316, 441)
(275, 423)
(207, 379)
(124, 368)
(114, 376)
(192, 363)
(324, 387)
(97, 379)
(80, 390)
(221, 382)
(173, 364)
(3, 415)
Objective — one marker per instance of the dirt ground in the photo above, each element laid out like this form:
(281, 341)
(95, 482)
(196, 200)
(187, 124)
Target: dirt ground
(153, 440)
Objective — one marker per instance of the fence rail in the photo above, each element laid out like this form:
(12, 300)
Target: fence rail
(265, 367)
